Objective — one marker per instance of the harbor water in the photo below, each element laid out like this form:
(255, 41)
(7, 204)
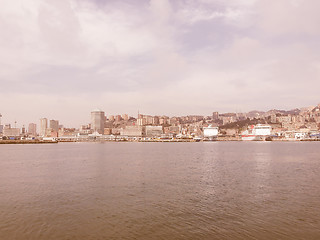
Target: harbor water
(206, 190)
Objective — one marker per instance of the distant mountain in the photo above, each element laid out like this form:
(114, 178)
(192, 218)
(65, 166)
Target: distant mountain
(275, 111)
(307, 109)
(255, 113)
(295, 111)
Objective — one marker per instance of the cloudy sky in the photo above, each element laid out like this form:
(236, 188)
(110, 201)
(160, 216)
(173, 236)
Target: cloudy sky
(62, 58)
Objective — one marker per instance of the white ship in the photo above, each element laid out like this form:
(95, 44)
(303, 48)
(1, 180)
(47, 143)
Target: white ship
(210, 133)
(258, 132)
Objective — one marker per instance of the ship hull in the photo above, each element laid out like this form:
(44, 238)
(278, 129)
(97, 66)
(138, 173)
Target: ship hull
(253, 138)
(248, 137)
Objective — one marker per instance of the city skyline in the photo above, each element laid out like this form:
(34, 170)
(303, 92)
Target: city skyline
(107, 116)
(62, 59)
(292, 125)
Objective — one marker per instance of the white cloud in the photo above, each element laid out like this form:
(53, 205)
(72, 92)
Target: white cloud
(288, 17)
(161, 56)
(195, 12)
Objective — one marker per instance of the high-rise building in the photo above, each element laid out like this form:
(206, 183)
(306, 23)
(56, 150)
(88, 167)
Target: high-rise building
(54, 125)
(43, 126)
(163, 120)
(125, 117)
(141, 121)
(1, 127)
(155, 120)
(215, 115)
(97, 121)
(32, 129)
(118, 118)
(23, 130)
(149, 119)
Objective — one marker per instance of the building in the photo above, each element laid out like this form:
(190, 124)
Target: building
(163, 120)
(154, 131)
(133, 131)
(1, 127)
(228, 119)
(300, 135)
(97, 121)
(66, 132)
(149, 119)
(107, 131)
(284, 119)
(23, 130)
(54, 125)
(125, 117)
(43, 126)
(141, 121)
(118, 118)
(273, 118)
(174, 130)
(111, 118)
(174, 121)
(144, 120)
(11, 132)
(108, 124)
(32, 129)
(115, 131)
(155, 120)
(84, 129)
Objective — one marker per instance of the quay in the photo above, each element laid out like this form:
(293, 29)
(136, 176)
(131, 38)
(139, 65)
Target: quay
(26, 142)
(126, 139)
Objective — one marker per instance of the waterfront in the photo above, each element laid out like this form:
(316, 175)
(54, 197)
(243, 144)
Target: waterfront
(207, 190)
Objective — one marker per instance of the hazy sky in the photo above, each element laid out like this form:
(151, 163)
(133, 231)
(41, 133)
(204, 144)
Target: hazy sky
(62, 58)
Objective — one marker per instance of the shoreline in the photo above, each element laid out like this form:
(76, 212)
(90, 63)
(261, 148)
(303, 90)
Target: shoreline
(26, 142)
(153, 141)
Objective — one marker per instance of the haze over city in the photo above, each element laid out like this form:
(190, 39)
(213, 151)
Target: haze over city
(61, 59)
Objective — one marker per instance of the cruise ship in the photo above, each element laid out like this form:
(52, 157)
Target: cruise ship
(257, 132)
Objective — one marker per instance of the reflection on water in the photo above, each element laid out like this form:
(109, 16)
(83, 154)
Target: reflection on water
(212, 190)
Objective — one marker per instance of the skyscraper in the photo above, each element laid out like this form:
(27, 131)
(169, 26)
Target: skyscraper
(97, 121)
(54, 125)
(43, 126)
(32, 129)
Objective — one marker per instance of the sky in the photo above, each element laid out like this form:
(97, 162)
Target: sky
(60, 59)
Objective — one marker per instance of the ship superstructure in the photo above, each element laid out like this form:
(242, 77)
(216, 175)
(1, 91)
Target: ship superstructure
(257, 132)
(210, 133)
